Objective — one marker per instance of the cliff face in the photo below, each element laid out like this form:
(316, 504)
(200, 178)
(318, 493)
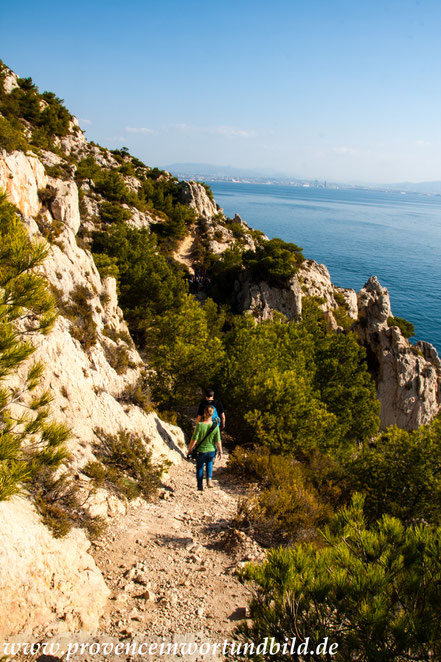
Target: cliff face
(92, 370)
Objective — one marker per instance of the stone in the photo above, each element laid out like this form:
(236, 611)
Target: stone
(262, 299)
(195, 195)
(408, 378)
(43, 579)
(64, 207)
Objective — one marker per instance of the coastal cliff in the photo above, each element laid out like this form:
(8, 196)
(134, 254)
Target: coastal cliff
(65, 193)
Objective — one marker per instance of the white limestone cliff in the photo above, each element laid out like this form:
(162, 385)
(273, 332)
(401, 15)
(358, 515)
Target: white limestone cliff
(89, 393)
(408, 377)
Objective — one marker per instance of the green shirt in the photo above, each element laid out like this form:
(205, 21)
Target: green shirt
(209, 444)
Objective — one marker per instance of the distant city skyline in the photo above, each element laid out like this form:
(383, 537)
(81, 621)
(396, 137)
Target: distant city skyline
(338, 91)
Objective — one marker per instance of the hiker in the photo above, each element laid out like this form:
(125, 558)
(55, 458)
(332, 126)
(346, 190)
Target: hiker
(206, 441)
(219, 411)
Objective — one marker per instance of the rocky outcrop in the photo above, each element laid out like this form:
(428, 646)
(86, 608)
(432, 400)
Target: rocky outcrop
(315, 281)
(195, 196)
(408, 377)
(10, 80)
(22, 176)
(262, 300)
(45, 582)
(64, 205)
(311, 279)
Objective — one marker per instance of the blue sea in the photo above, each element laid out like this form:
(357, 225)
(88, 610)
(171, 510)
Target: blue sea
(356, 233)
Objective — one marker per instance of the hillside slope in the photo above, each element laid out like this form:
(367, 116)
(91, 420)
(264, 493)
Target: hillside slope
(67, 190)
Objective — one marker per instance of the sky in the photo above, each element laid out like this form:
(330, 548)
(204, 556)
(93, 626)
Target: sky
(326, 89)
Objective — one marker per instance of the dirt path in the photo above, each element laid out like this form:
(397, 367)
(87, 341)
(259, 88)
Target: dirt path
(183, 253)
(170, 568)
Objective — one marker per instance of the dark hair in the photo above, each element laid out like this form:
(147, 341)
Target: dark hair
(209, 392)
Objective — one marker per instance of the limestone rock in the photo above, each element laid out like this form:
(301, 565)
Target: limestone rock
(22, 176)
(195, 195)
(316, 281)
(64, 207)
(408, 378)
(10, 80)
(43, 579)
(262, 299)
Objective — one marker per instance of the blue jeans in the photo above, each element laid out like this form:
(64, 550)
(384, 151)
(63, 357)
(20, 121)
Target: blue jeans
(206, 459)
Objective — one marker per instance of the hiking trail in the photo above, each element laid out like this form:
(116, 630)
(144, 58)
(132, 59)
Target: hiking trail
(169, 567)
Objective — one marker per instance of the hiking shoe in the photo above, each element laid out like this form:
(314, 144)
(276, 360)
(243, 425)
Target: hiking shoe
(209, 482)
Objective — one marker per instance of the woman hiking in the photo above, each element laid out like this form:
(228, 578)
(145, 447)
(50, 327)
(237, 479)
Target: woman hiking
(208, 435)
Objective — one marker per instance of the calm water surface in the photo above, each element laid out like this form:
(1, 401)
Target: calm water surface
(356, 233)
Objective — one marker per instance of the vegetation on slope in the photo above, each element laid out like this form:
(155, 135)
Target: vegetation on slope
(302, 407)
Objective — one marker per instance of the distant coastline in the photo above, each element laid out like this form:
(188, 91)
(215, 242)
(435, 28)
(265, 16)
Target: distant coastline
(207, 172)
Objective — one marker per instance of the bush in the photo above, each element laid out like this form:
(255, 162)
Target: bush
(285, 506)
(400, 474)
(87, 168)
(113, 213)
(274, 261)
(125, 465)
(79, 312)
(11, 135)
(112, 187)
(373, 591)
(61, 505)
(406, 328)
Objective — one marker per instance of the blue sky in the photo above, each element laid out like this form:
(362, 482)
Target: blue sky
(345, 91)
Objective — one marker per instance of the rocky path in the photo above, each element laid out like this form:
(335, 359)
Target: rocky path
(171, 565)
(171, 568)
(183, 253)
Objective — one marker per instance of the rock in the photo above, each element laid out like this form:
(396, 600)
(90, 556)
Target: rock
(195, 195)
(43, 579)
(10, 80)
(64, 207)
(148, 595)
(408, 378)
(22, 176)
(262, 300)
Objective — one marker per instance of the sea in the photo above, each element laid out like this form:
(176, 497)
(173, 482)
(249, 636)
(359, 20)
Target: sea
(356, 233)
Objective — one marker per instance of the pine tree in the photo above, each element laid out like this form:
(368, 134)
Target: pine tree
(29, 440)
(375, 591)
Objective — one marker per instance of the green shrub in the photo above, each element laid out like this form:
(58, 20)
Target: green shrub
(60, 171)
(112, 187)
(374, 592)
(114, 213)
(61, 505)
(79, 312)
(274, 261)
(125, 465)
(11, 135)
(29, 441)
(87, 168)
(406, 328)
(107, 266)
(400, 474)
